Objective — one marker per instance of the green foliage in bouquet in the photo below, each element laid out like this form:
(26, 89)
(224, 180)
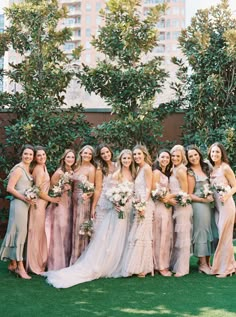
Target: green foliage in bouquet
(42, 76)
(126, 78)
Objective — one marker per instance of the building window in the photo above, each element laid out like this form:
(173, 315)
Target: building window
(175, 35)
(88, 32)
(162, 36)
(168, 35)
(88, 19)
(69, 46)
(87, 58)
(98, 6)
(88, 7)
(87, 45)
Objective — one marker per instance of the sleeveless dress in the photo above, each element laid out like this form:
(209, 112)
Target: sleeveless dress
(202, 238)
(162, 231)
(223, 260)
(102, 258)
(37, 253)
(58, 227)
(14, 241)
(81, 213)
(182, 231)
(138, 257)
(103, 204)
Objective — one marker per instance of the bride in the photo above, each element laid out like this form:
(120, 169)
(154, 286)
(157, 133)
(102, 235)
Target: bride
(102, 258)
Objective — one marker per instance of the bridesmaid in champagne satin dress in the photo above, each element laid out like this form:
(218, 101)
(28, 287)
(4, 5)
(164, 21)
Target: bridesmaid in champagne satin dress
(59, 218)
(162, 222)
(182, 214)
(13, 244)
(222, 174)
(84, 171)
(37, 253)
(103, 177)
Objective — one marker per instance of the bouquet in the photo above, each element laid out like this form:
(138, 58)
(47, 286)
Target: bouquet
(119, 195)
(57, 190)
(86, 186)
(160, 192)
(32, 193)
(221, 189)
(183, 199)
(206, 191)
(139, 205)
(86, 228)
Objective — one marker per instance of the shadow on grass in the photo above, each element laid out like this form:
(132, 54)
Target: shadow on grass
(192, 295)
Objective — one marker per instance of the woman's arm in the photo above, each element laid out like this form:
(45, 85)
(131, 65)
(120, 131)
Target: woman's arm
(191, 187)
(155, 178)
(181, 175)
(229, 175)
(98, 190)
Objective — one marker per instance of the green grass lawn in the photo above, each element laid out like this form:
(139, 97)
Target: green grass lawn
(192, 295)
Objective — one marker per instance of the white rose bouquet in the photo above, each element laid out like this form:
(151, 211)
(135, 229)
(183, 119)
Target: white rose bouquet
(183, 199)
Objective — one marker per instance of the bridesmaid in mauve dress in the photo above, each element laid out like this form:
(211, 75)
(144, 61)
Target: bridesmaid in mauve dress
(162, 222)
(222, 175)
(103, 256)
(59, 218)
(198, 177)
(37, 253)
(13, 244)
(84, 172)
(103, 176)
(182, 214)
(138, 257)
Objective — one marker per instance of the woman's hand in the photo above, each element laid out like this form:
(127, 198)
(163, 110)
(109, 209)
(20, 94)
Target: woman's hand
(67, 187)
(55, 200)
(209, 199)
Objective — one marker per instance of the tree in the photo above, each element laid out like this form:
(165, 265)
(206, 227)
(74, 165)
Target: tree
(210, 86)
(126, 79)
(43, 76)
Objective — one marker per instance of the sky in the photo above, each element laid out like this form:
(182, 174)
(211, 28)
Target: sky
(193, 5)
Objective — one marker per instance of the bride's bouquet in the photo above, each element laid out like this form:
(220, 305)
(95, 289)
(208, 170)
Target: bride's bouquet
(183, 199)
(119, 196)
(32, 193)
(86, 228)
(139, 205)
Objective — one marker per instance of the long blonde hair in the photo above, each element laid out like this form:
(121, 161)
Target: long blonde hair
(180, 148)
(119, 164)
(79, 157)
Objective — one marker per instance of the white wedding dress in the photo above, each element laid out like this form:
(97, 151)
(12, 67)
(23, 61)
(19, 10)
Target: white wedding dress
(103, 256)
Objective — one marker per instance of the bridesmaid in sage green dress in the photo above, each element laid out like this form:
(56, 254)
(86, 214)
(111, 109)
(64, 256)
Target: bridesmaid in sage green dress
(13, 244)
(198, 177)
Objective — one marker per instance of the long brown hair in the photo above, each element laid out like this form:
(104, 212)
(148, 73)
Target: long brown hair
(147, 156)
(224, 157)
(62, 160)
(100, 163)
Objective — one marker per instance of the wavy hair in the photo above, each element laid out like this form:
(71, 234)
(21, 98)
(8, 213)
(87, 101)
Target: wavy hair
(205, 167)
(180, 148)
(156, 164)
(147, 156)
(62, 160)
(99, 161)
(119, 164)
(79, 157)
(224, 157)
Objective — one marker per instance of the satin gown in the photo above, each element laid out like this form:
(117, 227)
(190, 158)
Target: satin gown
(102, 258)
(162, 231)
(37, 253)
(58, 227)
(81, 213)
(182, 231)
(223, 260)
(14, 241)
(138, 256)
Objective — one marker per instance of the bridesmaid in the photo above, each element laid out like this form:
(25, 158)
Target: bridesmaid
(59, 218)
(198, 176)
(163, 222)
(37, 253)
(85, 171)
(222, 174)
(138, 258)
(13, 244)
(182, 215)
(105, 169)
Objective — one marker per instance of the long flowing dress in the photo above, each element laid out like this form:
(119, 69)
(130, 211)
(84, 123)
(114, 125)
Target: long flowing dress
(223, 261)
(102, 258)
(58, 227)
(202, 239)
(14, 241)
(162, 231)
(37, 253)
(182, 231)
(138, 257)
(103, 204)
(81, 213)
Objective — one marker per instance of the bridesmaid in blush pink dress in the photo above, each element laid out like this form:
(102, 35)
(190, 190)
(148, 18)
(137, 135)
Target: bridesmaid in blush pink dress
(222, 175)
(84, 172)
(37, 253)
(162, 222)
(59, 218)
(182, 214)
(138, 256)
(103, 177)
